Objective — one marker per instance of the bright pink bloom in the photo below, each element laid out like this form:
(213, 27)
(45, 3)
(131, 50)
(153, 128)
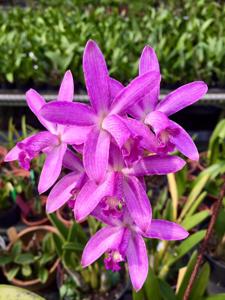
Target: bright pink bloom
(123, 184)
(155, 113)
(68, 187)
(122, 240)
(108, 100)
(52, 142)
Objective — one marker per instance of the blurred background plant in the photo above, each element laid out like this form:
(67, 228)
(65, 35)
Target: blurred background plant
(74, 282)
(31, 261)
(38, 42)
(19, 186)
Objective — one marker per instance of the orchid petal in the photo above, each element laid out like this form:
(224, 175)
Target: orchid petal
(90, 196)
(99, 214)
(66, 90)
(61, 192)
(75, 134)
(148, 61)
(134, 92)
(72, 162)
(105, 239)
(115, 125)
(35, 102)
(96, 153)
(184, 142)
(115, 88)
(148, 140)
(115, 157)
(137, 111)
(145, 105)
(51, 168)
(137, 202)
(40, 141)
(166, 230)
(96, 77)
(137, 260)
(182, 97)
(13, 154)
(158, 121)
(156, 165)
(68, 113)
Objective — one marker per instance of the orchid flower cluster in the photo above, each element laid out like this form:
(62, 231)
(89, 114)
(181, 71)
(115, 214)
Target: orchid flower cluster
(107, 147)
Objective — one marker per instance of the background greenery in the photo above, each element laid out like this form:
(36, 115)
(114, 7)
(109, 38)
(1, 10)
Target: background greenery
(39, 41)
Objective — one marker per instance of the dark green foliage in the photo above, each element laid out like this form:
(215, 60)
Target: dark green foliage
(30, 262)
(39, 42)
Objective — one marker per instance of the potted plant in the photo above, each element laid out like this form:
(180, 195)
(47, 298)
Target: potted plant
(216, 255)
(30, 259)
(31, 204)
(35, 214)
(9, 210)
(27, 198)
(73, 281)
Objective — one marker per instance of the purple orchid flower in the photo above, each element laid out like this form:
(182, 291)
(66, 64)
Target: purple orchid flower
(122, 184)
(52, 142)
(68, 187)
(108, 100)
(122, 240)
(169, 135)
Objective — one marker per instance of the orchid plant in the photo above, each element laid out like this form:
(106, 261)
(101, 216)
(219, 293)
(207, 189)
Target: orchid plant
(108, 147)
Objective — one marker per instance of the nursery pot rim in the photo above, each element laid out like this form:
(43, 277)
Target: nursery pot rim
(40, 222)
(34, 223)
(67, 223)
(32, 282)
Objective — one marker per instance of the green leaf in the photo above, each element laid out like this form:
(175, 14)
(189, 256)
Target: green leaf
(195, 219)
(59, 225)
(181, 179)
(43, 275)
(4, 260)
(200, 283)
(76, 231)
(12, 273)
(166, 291)
(187, 245)
(187, 276)
(217, 136)
(58, 244)
(45, 258)
(16, 248)
(138, 295)
(200, 183)
(9, 77)
(216, 297)
(220, 223)
(48, 243)
(26, 270)
(151, 286)
(196, 204)
(24, 259)
(73, 246)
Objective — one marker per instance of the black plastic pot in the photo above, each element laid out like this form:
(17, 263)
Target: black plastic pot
(217, 276)
(10, 216)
